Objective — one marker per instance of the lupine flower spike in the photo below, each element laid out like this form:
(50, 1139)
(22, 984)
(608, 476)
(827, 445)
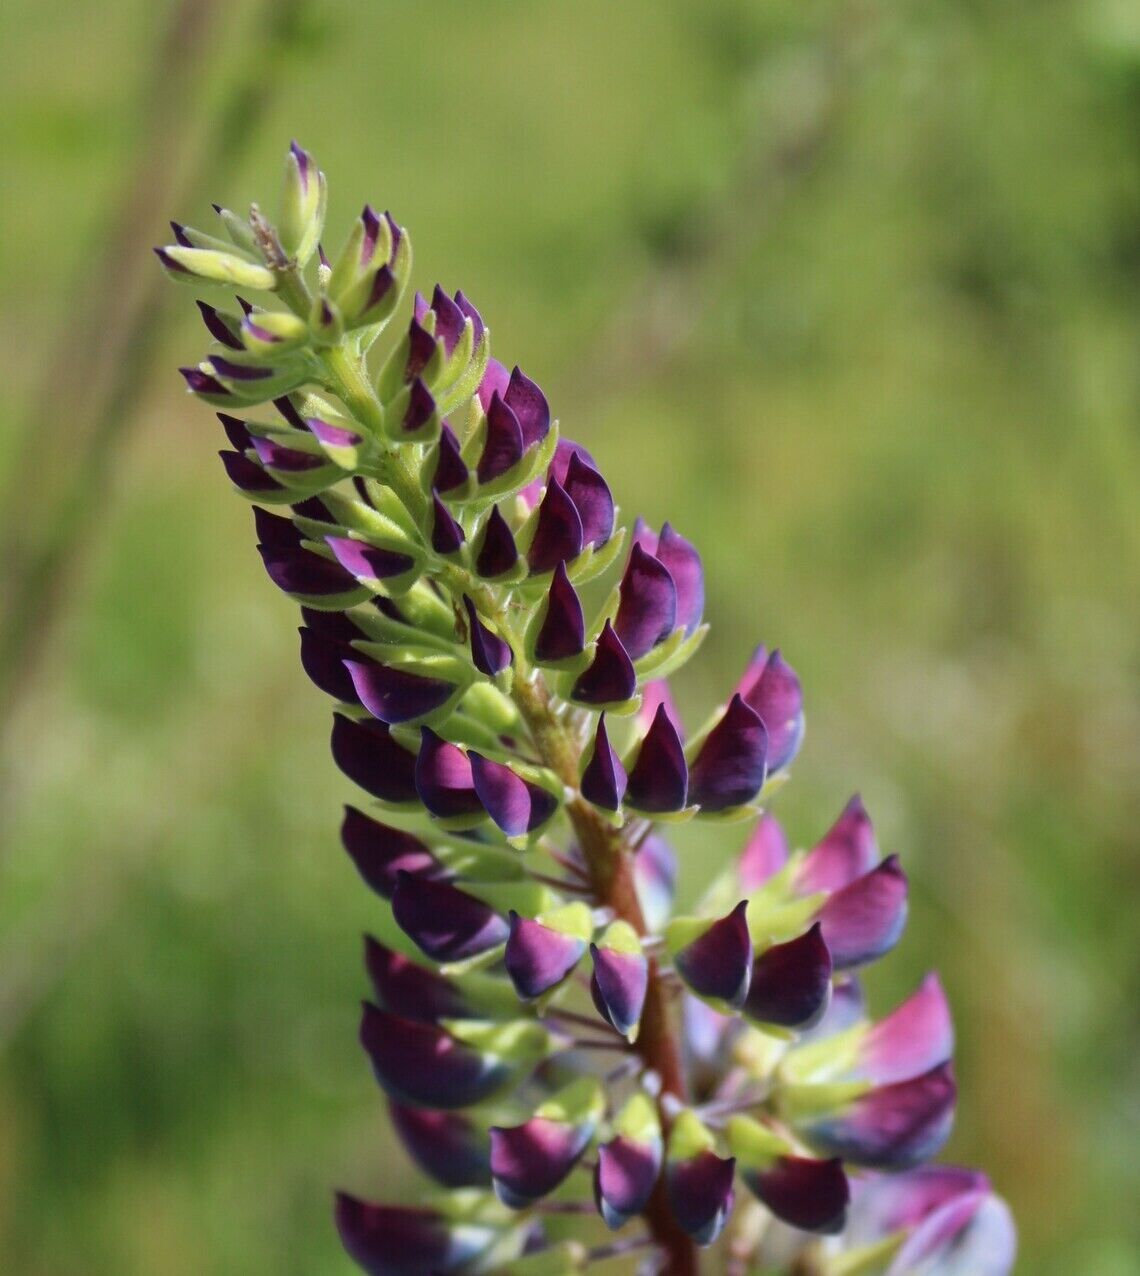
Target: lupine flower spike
(550, 1038)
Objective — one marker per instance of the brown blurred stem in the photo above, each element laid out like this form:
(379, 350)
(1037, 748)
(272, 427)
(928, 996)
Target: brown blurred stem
(84, 411)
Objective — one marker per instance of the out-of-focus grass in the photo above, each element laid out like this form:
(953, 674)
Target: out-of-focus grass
(849, 293)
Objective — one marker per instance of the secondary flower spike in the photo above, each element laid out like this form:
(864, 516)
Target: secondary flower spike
(501, 654)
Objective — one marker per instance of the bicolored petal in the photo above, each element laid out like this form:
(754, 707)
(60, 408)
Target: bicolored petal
(516, 805)
(847, 850)
(620, 979)
(656, 694)
(699, 1183)
(529, 1161)
(887, 1203)
(647, 609)
(717, 963)
(562, 633)
(973, 1235)
(659, 778)
(423, 1065)
(394, 695)
(445, 923)
(558, 532)
(394, 1240)
(368, 562)
(444, 779)
(489, 653)
(448, 1146)
(603, 779)
(610, 679)
(771, 686)
(381, 852)
(913, 1038)
(729, 768)
(864, 920)
(805, 1193)
(624, 1178)
(791, 982)
(367, 754)
(405, 988)
(538, 957)
(247, 476)
(764, 854)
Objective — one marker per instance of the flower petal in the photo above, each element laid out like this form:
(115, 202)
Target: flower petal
(847, 850)
(624, 1178)
(592, 499)
(497, 551)
(659, 778)
(366, 562)
(516, 805)
(563, 630)
(791, 983)
(409, 990)
(913, 1038)
(764, 854)
(447, 535)
(718, 965)
(805, 1193)
(381, 853)
(450, 471)
(443, 778)
(618, 987)
(647, 610)
(299, 571)
(529, 405)
(489, 653)
(558, 533)
(864, 920)
(446, 1145)
(684, 565)
(444, 922)
(610, 679)
(729, 769)
(604, 779)
(395, 1240)
(323, 659)
(367, 754)
(701, 1194)
(771, 686)
(504, 444)
(394, 695)
(529, 1161)
(539, 958)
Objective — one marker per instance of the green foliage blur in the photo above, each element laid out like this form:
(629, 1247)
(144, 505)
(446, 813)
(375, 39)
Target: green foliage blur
(850, 292)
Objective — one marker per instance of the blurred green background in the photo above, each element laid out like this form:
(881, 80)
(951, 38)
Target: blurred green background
(849, 292)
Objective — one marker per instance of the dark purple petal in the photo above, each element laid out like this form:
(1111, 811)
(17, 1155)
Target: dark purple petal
(539, 958)
(447, 535)
(299, 571)
(847, 851)
(235, 428)
(444, 922)
(423, 1065)
(718, 965)
(772, 688)
(382, 853)
(469, 312)
(284, 404)
(624, 1178)
(791, 983)
(497, 554)
(450, 471)
(684, 565)
(331, 624)
(303, 160)
(529, 406)
(729, 769)
(275, 531)
(289, 460)
(495, 381)
(199, 382)
(314, 509)
(764, 854)
(563, 630)
(323, 659)
(618, 986)
(333, 435)
(395, 1240)
(659, 780)
(701, 1194)
(420, 409)
(446, 1145)
(421, 347)
(808, 1194)
(558, 534)
(864, 920)
(443, 778)
(647, 612)
(490, 654)
(218, 328)
(367, 562)
(412, 991)
(592, 499)
(394, 695)
(504, 444)
(610, 679)
(367, 754)
(370, 222)
(604, 779)
(516, 805)
(529, 1161)
(247, 475)
(564, 452)
(913, 1038)
(891, 1127)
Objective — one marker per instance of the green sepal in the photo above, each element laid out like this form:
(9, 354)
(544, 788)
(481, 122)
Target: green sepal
(799, 1102)
(575, 919)
(424, 662)
(667, 657)
(620, 937)
(268, 333)
(331, 602)
(390, 380)
(594, 560)
(866, 1260)
(638, 1119)
(729, 814)
(288, 374)
(528, 898)
(385, 501)
(395, 634)
(565, 1258)
(775, 923)
(689, 1137)
(304, 483)
(217, 267)
(680, 932)
(755, 1146)
(818, 1061)
(468, 383)
(303, 207)
(240, 233)
(347, 271)
(520, 1041)
(582, 1102)
(497, 712)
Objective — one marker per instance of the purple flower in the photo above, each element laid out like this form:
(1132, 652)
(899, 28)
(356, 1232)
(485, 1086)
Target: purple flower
(610, 678)
(647, 611)
(446, 923)
(791, 982)
(770, 687)
(620, 979)
(381, 853)
(659, 777)
(393, 1240)
(729, 768)
(604, 777)
(538, 957)
(716, 957)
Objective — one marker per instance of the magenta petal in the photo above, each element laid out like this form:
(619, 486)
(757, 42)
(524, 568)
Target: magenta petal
(718, 965)
(421, 348)
(497, 553)
(516, 805)
(367, 562)
(444, 922)
(447, 535)
(443, 778)
(563, 630)
(235, 428)
(791, 983)
(914, 1038)
(610, 679)
(450, 471)
(394, 1240)
(529, 1161)
(808, 1194)
(684, 565)
(864, 920)
(495, 381)
(449, 319)
(847, 851)
(604, 779)
(892, 1127)
(592, 499)
(489, 653)
(654, 694)
(618, 986)
(701, 1194)
(729, 769)
(504, 444)
(624, 1178)
(423, 1065)
(445, 1145)
(288, 459)
(558, 533)
(334, 435)
(764, 854)
(394, 695)
(367, 754)
(530, 407)
(889, 1203)
(539, 958)
(382, 853)
(647, 611)
(469, 312)
(659, 780)
(404, 988)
